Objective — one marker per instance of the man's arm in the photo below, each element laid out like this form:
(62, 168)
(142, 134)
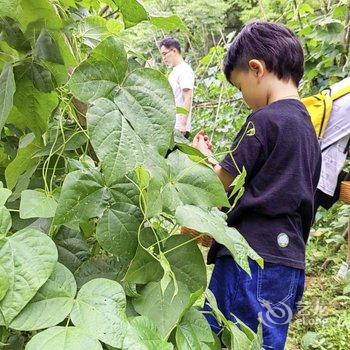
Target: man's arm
(187, 98)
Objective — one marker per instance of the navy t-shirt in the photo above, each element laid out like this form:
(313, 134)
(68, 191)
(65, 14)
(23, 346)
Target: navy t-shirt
(282, 157)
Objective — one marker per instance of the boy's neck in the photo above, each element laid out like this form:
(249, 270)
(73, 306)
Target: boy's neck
(281, 90)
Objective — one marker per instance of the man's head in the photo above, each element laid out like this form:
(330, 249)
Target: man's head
(170, 50)
(262, 54)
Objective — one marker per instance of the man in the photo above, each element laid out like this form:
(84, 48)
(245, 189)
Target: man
(181, 80)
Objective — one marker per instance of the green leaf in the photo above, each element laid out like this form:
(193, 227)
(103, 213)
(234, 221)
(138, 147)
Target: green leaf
(35, 204)
(99, 74)
(133, 12)
(32, 108)
(84, 196)
(65, 49)
(5, 222)
(7, 90)
(115, 142)
(238, 183)
(14, 37)
(9, 8)
(143, 334)
(169, 23)
(5, 193)
(144, 268)
(72, 248)
(94, 29)
(214, 225)
(189, 177)
(47, 49)
(51, 304)
(146, 101)
(193, 331)
(163, 309)
(186, 262)
(41, 77)
(100, 310)
(117, 230)
(4, 283)
(38, 10)
(24, 160)
(29, 258)
(63, 338)
(101, 266)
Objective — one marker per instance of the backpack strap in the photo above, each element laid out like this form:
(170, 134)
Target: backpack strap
(342, 92)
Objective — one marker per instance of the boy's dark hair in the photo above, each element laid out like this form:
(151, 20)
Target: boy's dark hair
(170, 43)
(273, 43)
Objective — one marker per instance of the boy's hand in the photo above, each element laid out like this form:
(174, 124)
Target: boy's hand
(202, 143)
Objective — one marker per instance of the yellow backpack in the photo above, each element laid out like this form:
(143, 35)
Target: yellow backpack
(319, 107)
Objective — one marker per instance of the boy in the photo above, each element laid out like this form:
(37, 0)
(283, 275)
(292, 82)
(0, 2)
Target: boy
(282, 158)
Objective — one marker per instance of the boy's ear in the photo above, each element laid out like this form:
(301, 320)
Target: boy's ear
(258, 67)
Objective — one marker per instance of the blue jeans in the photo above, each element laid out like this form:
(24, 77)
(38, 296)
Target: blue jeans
(271, 295)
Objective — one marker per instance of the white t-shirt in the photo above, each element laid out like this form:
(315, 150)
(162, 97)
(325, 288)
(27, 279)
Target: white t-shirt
(339, 121)
(180, 78)
(337, 135)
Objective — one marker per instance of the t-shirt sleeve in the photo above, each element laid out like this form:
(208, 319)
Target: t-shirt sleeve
(248, 154)
(186, 79)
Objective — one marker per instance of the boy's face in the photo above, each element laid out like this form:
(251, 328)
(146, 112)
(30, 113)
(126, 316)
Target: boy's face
(252, 84)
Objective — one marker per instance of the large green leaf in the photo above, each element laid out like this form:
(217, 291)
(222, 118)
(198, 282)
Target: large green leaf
(99, 74)
(114, 140)
(29, 258)
(63, 338)
(65, 48)
(47, 49)
(9, 8)
(193, 331)
(38, 10)
(117, 230)
(32, 108)
(169, 23)
(144, 268)
(146, 101)
(100, 310)
(94, 29)
(214, 225)
(192, 183)
(4, 283)
(72, 248)
(84, 196)
(186, 262)
(163, 309)
(51, 304)
(133, 12)
(5, 222)
(7, 90)
(13, 36)
(143, 335)
(5, 193)
(41, 77)
(100, 266)
(35, 204)
(24, 160)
